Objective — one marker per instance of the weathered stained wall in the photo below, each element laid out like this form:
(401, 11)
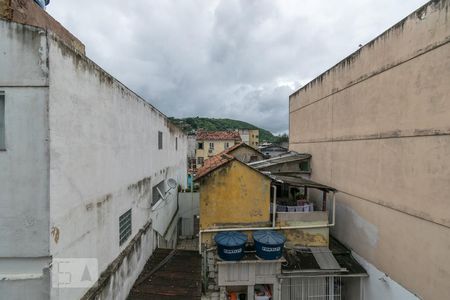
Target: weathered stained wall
(234, 195)
(313, 237)
(24, 183)
(105, 160)
(81, 149)
(378, 128)
(29, 13)
(245, 154)
(117, 280)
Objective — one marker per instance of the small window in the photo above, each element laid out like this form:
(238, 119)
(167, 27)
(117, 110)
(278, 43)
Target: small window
(211, 145)
(200, 145)
(227, 145)
(124, 227)
(304, 165)
(176, 144)
(200, 161)
(160, 140)
(2, 121)
(157, 192)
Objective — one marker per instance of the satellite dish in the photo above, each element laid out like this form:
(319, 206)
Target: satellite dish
(172, 183)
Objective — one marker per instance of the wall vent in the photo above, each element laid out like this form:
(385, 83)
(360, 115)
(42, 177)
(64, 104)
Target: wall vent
(124, 226)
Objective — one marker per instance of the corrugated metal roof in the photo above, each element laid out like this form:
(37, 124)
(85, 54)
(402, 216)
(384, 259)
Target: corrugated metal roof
(301, 182)
(325, 258)
(282, 159)
(322, 260)
(169, 274)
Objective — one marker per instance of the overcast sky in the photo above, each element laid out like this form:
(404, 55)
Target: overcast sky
(224, 58)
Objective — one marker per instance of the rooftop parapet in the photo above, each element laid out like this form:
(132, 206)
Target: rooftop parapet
(29, 13)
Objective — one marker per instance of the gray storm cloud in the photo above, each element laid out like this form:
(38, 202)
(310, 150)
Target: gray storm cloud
(224, 58)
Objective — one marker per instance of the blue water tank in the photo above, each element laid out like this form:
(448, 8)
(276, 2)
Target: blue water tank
(230, 245)
(269, 244)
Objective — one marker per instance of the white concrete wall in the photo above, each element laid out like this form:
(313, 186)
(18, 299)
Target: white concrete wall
(188, 210)
(379, 285)
(81, 150)
(192, 145)
(104, 160)
(24, 204)
(189, 204)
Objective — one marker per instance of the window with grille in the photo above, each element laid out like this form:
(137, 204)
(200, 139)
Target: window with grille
(124, 226)
(160, 140)
(2, 121)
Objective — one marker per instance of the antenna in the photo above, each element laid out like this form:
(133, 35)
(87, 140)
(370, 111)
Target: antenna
(172, 183)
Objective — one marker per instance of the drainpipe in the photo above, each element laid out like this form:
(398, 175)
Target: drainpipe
(274, 205)
(266, 228)
(334, 209)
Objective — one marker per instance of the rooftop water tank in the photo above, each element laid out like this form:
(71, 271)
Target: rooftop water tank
(269, 244)
(230, 245)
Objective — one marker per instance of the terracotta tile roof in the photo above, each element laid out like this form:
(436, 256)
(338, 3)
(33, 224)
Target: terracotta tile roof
(218, 135)
(213, 163)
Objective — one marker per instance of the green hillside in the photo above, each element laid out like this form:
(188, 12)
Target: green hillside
(193, 124)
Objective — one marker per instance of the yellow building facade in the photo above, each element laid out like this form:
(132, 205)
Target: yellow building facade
(233, 195)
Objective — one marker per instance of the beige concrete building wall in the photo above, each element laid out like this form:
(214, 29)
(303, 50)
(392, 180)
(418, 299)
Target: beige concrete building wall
(253, 138)
(378, 127)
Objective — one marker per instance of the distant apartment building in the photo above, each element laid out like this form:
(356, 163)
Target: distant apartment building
(378, 127)
(89, 171)
(210, 143)
(250, 137)
(191, 147)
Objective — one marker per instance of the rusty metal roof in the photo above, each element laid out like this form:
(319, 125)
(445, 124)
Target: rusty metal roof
(169, 274)
(336, 259)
